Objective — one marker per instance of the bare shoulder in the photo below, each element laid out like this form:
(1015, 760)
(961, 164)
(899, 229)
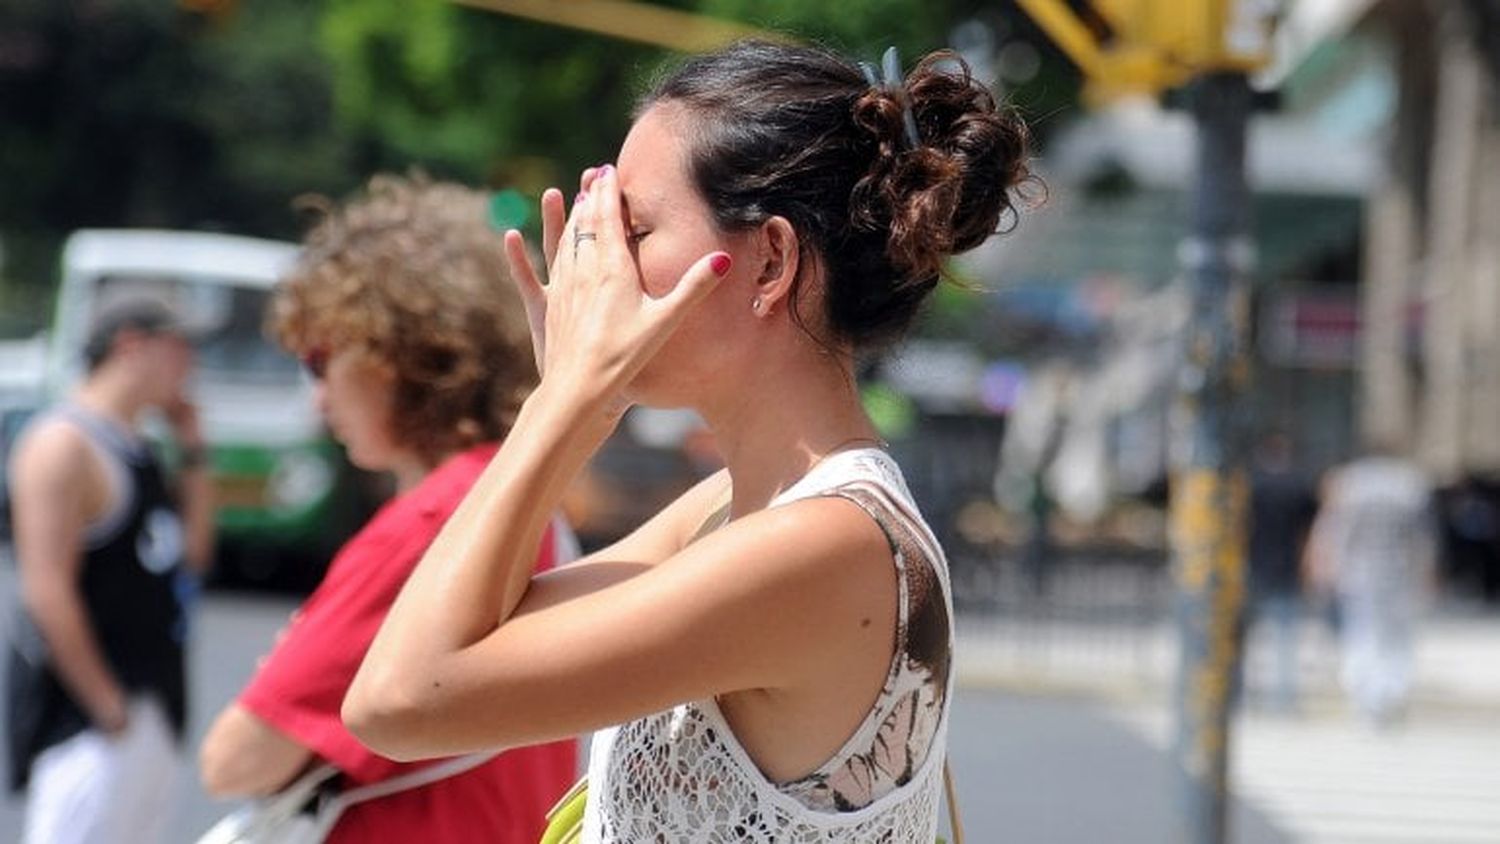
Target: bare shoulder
(57, 486)
(827, 531)
(823, 548)
(820, 569)
(51, 453)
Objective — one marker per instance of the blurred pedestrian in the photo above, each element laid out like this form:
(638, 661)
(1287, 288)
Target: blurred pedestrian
(402, 313)
(1034, 434)
(1282, 506)
(1471, 512)
(106, 549)
(1373, 549)
(775, 646)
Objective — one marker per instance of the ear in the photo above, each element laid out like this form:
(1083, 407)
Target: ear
(780, 254)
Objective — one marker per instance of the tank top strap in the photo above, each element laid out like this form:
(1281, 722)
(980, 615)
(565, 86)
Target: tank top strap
(870, 478)
(107, 435)
(123, 458)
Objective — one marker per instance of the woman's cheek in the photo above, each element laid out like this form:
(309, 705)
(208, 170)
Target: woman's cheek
(659, 274)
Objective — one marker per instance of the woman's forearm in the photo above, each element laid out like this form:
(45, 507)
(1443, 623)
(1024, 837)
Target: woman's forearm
(243, 756)
(479, 566)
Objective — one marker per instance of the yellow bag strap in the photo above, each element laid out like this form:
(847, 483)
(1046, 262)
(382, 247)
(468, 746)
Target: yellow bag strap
(565, 819)
(951, 793)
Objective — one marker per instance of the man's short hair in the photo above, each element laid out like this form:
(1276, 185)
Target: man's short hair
(146, 314)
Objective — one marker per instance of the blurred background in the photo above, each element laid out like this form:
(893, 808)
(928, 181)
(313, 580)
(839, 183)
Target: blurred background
(1032, 410)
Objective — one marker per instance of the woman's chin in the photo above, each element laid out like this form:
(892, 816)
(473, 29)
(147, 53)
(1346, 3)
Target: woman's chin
(362, 459)
(648, 392)
(667, 385)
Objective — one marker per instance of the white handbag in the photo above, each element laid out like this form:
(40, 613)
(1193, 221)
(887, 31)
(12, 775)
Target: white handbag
(305, 811)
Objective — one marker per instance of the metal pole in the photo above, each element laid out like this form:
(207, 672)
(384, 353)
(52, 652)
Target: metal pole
(1209, 486)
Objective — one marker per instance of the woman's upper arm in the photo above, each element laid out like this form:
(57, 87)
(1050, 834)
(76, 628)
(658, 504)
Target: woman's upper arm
(763, 603)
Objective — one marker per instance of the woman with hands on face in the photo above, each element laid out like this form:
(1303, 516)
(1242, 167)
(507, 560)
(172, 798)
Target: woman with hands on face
(768, 657)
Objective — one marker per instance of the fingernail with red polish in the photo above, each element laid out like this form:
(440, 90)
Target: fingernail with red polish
(607, 169)
(720, 264)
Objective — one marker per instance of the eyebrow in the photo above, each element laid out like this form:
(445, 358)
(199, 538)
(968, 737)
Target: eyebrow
(633, 212)
(627, 203)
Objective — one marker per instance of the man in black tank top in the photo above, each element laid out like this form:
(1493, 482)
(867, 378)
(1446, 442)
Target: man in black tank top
(96, 687)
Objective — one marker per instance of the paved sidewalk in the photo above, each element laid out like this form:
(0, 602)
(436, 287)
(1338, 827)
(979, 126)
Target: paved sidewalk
(1333, 779)
(1071, 720)
(1457, 660)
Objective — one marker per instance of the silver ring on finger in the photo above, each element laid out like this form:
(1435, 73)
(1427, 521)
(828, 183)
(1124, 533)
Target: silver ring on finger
(580, 237)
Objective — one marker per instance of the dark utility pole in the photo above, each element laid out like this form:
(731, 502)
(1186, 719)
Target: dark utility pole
(1209, 486)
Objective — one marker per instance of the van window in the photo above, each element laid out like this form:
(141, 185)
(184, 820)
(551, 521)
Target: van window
(228, 317)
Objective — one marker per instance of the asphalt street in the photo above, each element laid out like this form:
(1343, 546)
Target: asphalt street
(1029, 767)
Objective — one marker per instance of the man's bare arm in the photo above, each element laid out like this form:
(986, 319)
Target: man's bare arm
(52, 478)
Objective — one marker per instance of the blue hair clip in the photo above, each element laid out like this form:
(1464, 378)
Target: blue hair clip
(893, 81)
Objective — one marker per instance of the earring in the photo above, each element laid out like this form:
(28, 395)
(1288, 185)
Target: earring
(755, 305)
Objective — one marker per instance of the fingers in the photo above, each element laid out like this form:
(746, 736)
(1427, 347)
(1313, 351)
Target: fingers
(521, 271)
(554, 216)
(695, 285)
(586, 178)
(533, 295)
(561, 220)
(607, 218)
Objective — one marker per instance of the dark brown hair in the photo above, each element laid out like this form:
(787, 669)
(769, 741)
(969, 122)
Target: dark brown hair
(799, 132)
(410, 272)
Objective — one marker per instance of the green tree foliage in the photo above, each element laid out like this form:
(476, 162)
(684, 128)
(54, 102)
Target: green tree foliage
(504, 100)
(137, 112)
(142, 113)
(488, 97)
(913, 26)
(197, 114)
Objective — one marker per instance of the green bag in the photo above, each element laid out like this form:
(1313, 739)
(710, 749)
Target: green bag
(565, 820)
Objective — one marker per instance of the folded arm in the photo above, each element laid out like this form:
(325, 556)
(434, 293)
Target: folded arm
(478, 654)
(243, 756)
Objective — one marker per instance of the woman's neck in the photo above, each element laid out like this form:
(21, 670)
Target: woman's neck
(411, 469)
(776, 427)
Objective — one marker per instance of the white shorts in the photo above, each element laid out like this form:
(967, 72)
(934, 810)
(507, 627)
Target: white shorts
(95, 788)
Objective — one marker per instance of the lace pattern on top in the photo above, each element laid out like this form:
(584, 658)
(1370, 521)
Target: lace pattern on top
(680, 775)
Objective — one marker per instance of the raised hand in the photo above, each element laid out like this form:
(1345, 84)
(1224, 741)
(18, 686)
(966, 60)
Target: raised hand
(533, 290)
(593, 325)
(182, 416)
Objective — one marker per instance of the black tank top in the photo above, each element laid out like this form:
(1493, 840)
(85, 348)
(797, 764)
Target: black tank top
(130, 581)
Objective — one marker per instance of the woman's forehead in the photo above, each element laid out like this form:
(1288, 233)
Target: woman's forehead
(650, 163)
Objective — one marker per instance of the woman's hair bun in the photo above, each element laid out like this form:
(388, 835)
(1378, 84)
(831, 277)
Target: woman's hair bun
(949, 192)
(798, 132)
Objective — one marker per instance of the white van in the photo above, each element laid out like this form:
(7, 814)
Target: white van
(284, 490)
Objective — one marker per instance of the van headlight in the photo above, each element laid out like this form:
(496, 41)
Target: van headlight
(299, 480)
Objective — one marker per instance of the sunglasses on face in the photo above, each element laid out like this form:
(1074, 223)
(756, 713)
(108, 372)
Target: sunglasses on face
(316, 363)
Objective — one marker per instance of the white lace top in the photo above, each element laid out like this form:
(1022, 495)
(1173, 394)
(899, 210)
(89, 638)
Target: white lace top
(682, 776)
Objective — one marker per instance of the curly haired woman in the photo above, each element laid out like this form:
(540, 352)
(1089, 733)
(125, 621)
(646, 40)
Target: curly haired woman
(402, 313)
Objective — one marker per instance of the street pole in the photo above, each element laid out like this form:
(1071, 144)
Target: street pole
(1209, 485)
